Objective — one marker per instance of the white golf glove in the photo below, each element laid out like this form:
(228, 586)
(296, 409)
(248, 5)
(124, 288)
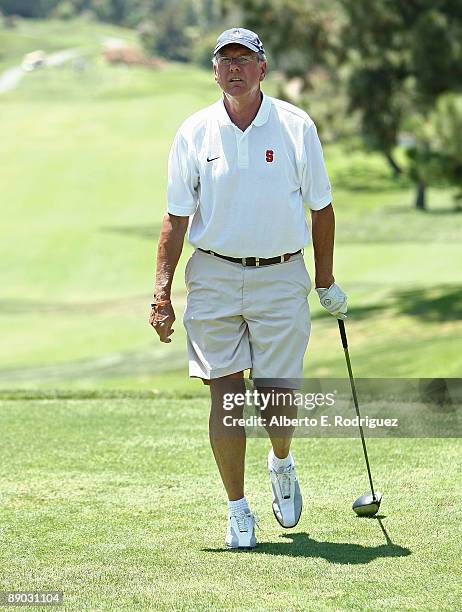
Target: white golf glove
(334, 301)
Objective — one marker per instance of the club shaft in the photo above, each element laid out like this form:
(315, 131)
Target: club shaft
(355, 400)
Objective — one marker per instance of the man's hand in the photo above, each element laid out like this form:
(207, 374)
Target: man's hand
(334, 300)
(162, 315)
(162, 318)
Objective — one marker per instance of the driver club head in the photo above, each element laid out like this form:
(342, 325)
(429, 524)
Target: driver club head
(367, 504)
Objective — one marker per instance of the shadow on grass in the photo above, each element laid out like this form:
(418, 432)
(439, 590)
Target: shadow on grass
(149, 360)
(28, 307)
(301, 545)
(435, 304)
(367, 180)
(456, 210)
(149, 232)
(408, 210)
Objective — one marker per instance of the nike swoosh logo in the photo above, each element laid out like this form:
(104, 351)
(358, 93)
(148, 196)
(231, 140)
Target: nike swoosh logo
(213, 158)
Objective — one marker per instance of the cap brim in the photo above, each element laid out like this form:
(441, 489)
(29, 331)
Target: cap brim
(249, 45)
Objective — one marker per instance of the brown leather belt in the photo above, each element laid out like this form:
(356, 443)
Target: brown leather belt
(254, 261)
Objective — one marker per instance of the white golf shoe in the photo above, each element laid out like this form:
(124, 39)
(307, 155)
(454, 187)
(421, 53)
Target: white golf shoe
(287, 498)
(241, 530)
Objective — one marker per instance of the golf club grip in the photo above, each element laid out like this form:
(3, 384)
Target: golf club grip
(341, 326)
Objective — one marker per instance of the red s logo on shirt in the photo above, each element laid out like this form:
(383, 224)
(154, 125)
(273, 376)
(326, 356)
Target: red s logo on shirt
(269, 155)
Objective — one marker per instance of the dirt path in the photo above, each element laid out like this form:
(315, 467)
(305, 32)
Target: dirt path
(11, 77)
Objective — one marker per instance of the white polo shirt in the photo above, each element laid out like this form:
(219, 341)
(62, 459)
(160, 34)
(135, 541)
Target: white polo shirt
(246, 190)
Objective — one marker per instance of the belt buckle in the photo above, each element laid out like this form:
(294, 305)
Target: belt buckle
(257, 261)
(244, 262)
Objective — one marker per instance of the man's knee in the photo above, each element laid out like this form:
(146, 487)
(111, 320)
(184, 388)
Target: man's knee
(225, 389)
(235, 375)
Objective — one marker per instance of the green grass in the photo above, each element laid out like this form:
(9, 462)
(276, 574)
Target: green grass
(117, 502)
(108, 489)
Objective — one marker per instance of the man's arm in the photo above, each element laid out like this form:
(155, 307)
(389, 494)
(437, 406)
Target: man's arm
(168, 254)
(323, 230)
(169, 250)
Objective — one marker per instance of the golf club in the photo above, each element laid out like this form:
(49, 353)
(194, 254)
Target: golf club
(367, 504)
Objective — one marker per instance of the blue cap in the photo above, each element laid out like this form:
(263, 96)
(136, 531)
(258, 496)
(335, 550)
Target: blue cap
(240, 36)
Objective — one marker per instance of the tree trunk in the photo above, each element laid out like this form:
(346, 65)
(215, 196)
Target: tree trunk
(394, 166)
(420, 199)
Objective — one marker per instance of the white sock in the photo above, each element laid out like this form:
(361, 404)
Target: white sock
(238, 505)
(277, 463)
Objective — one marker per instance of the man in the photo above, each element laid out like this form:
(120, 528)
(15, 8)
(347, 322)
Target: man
(242, 168)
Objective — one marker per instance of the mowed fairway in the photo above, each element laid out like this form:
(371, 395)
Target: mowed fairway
(113, 496)
(117, 502)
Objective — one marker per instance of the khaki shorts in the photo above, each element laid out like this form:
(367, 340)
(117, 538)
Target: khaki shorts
(240, 318)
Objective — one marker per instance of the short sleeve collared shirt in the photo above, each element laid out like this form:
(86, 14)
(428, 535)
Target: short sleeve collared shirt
(246, 190)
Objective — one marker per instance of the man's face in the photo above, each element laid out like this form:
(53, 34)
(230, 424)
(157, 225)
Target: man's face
(238, 79)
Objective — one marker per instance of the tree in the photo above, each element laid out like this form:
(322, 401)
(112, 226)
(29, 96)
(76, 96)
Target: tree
(437, 153)
(171, 30)
(28, 8)
(403, 55)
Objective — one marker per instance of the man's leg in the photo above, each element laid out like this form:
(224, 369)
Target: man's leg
(287, 498)
(280, 405)
(228, 443)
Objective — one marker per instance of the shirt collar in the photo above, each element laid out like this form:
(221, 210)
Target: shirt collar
(263, 112)
(260, 119)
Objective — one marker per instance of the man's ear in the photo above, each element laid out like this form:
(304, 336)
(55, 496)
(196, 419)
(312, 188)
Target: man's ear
(264, 69)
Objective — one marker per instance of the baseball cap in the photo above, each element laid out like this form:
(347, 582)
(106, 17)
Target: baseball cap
(240, 36)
